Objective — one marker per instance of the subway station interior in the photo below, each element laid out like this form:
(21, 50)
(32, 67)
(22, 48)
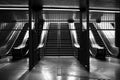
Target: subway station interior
(59, 39)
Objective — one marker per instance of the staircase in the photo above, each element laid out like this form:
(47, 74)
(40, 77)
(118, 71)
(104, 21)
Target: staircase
(59, 41)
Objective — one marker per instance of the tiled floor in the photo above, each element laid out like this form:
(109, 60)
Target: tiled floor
(60, 68)
(106, 69)
(12, 70)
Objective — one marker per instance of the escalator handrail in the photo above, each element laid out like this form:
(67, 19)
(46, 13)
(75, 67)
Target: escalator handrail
(74, 41)
(43, 41)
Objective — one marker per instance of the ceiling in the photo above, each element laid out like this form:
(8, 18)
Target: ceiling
(94, 4)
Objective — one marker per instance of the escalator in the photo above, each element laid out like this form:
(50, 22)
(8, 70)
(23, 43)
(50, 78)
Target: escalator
(5, 33)
(96, 35)
(97, 48)
(20, 46)
(93, 45)
(101, 50)
(92, 50)
(59, 41)
(106, 37)
(9, 36)
(95, 41)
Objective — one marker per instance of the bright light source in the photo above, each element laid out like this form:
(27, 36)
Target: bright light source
(72, 78)
(33, 25)
(57, 6)
(46, 9)
(59, 77)
(14, 8)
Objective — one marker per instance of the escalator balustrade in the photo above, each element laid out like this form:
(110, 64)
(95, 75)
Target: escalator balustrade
(108, 38)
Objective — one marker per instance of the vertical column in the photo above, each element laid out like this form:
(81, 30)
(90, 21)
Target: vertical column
(35, 8)
(117, 31)
(30, 38)
(83, 52)
(88, 42)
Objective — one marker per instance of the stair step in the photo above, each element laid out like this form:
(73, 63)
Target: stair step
(56, 50)
(59, 54)
(62, 44)
(58, 47)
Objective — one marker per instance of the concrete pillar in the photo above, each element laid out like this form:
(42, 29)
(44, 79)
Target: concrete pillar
(35, 9)
(83, 52)
(117, 31)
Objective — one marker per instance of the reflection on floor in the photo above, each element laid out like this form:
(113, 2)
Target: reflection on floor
(12, 70)
(60, 68)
